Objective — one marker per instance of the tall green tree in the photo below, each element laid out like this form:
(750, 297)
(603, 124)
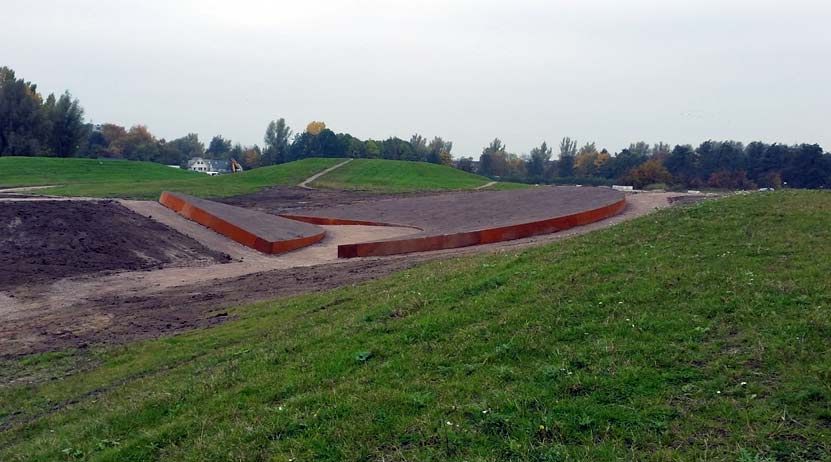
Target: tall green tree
(395, 148)
(438, 151)
(537, 160)
(276, 149)
(682, 164)
(419, 150)
(24, 126)
(218, 148)
(490, 157)
(372, 149)
(178, 151)
(67, 130)
(568, 151)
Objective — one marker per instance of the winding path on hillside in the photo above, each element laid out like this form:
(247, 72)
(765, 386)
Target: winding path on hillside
(305, 183)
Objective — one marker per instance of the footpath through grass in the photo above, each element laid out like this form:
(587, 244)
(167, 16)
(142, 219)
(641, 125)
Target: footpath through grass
(142, 186)
(398, 176)
(695, 333)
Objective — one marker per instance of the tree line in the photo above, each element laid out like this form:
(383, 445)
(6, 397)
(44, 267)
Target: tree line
(713, 164)
(31, 125)
(55, 126)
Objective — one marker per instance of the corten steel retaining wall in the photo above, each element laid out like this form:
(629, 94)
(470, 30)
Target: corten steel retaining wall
(232, 231)
(485, 236)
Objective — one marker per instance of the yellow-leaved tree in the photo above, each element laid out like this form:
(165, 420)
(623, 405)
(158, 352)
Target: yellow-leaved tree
(315, 127)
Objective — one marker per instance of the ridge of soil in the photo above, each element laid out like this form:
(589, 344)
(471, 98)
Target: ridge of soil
(43, 241)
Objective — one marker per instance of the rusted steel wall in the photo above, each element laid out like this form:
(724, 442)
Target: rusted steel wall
(485, 236)
(233, 231)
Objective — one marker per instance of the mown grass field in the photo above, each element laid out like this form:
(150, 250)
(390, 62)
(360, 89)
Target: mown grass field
(38, 171)
(136, 184)
(397, 176)
(146, 180)
(695, 333)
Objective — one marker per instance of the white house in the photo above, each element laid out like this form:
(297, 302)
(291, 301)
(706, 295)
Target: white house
(209, 166)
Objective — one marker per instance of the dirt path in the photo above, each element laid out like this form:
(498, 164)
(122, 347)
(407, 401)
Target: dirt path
(305, 183)
(129, 306)
(22, 189)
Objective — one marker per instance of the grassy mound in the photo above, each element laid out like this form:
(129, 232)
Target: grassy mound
(398, 176)
(148, 187)
(693, 333)
(37, 171)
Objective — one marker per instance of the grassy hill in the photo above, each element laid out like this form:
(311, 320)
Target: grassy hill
(696, 333)
(143, 180)
(397, 176)
(146, 180)
(36, 171)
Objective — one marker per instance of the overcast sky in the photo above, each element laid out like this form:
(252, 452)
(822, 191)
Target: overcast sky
(610, 71)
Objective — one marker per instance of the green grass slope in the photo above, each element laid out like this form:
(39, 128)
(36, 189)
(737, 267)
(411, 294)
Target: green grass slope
(397, 176)
(696, 333)
(198, 184)
(37, 171)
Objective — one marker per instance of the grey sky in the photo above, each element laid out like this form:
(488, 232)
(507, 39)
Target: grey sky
(610, 71)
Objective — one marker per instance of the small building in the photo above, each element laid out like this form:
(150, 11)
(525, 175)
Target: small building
(209, 166)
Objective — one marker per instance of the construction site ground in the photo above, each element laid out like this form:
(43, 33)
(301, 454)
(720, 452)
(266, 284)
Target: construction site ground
(172, 274)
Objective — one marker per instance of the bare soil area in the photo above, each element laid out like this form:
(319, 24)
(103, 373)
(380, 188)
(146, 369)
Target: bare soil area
(472, 210)
(128, 306)
(290, 199)
(44, 241)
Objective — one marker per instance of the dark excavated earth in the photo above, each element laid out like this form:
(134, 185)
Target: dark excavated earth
(43, 241)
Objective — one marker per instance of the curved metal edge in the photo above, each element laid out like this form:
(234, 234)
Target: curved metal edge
(234, 232)
(485, 236)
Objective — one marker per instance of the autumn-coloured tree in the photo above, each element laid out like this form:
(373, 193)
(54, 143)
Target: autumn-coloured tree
(584, 163)
(315, 127)
(113, 135)
(601, 158)
(438, 149)
(250, 158)
(139, 144)
(649, 172)
(730, 180)
(445, 159)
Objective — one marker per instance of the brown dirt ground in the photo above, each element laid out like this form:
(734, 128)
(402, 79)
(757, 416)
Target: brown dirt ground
(289, 199)
(43, 241)
(34, 320)
(472, 210)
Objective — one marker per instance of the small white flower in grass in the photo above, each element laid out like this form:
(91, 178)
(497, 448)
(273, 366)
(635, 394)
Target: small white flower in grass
(718, 392)
(449, 423)
(743, 383)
